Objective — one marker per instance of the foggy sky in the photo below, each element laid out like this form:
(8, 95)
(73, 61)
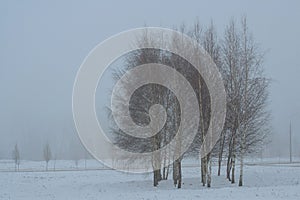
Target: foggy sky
(42, 45)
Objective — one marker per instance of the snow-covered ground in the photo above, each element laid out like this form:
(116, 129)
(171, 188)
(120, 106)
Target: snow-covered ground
(264, 181)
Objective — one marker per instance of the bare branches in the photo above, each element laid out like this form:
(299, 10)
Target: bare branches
(246, 86)
(240, 62)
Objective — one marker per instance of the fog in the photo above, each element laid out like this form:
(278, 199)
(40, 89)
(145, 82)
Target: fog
(42, 45)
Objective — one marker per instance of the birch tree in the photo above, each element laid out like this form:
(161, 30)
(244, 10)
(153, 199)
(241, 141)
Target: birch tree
(47, 154)
(16, 157)
(231, 47)
(211, 45)
(151, 94)
(142, 99)
(254, 116)
(246, 87)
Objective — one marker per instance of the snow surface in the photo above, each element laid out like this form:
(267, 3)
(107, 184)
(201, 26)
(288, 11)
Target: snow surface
(264, 181)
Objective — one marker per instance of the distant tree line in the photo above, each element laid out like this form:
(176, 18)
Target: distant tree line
(47, 156)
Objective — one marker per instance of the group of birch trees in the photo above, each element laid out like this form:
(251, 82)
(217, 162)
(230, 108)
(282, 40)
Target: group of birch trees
(240, 62)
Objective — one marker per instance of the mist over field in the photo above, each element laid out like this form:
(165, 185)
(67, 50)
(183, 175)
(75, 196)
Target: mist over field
(43, 45)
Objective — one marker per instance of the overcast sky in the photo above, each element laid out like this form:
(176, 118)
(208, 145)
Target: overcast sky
(42, 45)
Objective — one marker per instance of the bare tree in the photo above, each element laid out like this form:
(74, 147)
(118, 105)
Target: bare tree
(246, 87)
(254, 116)
(85, 158)
(16, 157)
(54, 161)
(140, 103)
(211, 45)
(146, 96)
(47, 154)
(232, 84)
(76, 161)
(207, 37)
